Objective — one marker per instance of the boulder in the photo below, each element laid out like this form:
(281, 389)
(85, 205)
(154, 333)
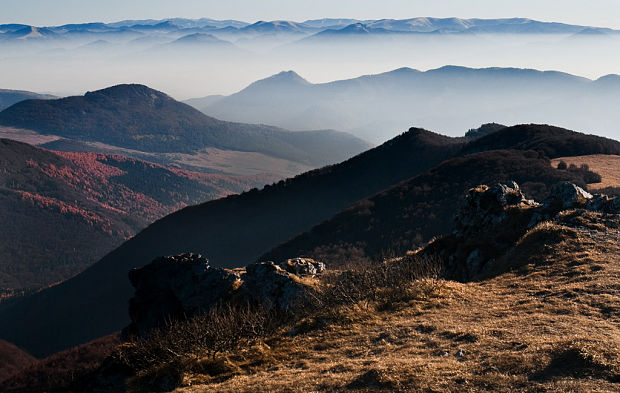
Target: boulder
(567, 195)
(181, 286)
(303, 266)
(486, 206)
(271, 286)
(604, 204)
(173, 287)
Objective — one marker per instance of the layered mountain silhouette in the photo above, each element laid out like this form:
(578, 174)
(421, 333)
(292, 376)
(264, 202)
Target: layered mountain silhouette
(137, 117)
(317, 26)
(374, 106)
(63, 211)
(10, 97)
(239, 229)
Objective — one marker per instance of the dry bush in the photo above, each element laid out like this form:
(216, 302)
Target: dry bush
(222, 329)
(391, 281)
(208, 343)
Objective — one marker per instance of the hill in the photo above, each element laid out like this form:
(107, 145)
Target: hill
(10, 97)
(409, 215)
(258, 220)
(12, 360)
(608, 166)
(371, 228)
(549, 322)
(61, 368)
(449, 98)
(139, 118)
(540, 315)
(63, 211)
(238, 229)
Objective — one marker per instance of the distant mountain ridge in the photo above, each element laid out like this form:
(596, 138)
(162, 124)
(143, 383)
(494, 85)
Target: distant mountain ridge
(446, 98)
(411, 25)
(137, 117)
(237, 230)
(10, 97)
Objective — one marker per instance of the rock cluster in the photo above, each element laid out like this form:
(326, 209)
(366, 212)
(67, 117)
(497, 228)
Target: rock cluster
(176, 287)
(492, 219)
(485, 207)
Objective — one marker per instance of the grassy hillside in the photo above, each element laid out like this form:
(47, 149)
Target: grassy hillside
(608, 166)
(547, 321)
(552, 325)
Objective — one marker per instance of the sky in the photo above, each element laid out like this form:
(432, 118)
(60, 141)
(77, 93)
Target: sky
(601, 13)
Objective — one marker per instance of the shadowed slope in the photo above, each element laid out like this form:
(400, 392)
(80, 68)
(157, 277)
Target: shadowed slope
(236, 230)
(230, 232)
(12, 359)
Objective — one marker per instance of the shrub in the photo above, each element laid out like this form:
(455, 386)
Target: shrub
(383, 283)
(224, 328)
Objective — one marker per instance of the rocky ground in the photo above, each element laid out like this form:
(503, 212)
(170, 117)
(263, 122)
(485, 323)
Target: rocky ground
(521, 296)
(550, 325)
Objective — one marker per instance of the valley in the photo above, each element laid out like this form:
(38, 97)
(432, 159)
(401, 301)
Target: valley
(398, 198)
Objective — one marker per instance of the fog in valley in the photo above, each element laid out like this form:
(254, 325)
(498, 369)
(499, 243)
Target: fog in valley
(190, 59)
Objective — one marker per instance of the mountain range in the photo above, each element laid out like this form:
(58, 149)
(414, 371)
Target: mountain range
(374, 107)
(180, 26)
(136, 119)
(239, 229)
(193, 58)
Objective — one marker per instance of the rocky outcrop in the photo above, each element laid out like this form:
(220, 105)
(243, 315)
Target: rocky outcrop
(491, 219)
(567, 196)
(485, 207)
(174, 287)
(181, 286)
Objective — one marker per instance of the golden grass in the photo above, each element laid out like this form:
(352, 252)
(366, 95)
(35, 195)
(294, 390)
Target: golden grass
(550, 325)
(608, 166)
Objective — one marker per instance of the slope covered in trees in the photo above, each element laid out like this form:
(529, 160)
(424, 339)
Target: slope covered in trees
(60, 212)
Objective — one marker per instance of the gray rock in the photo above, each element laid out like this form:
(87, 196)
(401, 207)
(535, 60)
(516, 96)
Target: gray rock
(485, 206)
(273, 287)
(604, 203)
(173, 287)
(303, 266)
(567, 195)
(474, 261)
(181, 286)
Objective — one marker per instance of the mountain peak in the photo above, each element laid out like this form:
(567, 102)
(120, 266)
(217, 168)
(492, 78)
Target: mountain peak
(124, 91)
(358, 27)
(282, 78)
(199, 38)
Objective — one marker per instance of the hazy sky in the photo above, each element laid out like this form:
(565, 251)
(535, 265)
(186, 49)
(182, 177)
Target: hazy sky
(604, 13)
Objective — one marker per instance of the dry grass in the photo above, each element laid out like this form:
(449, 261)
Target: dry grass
(550, 325)
(608, 166)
